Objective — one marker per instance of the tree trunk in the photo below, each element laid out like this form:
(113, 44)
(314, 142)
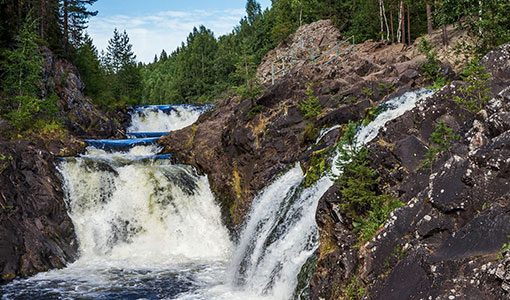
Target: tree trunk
(408, 25)
(43, 18)
(399, 30)
(386, 21)
(392, 31)
(445, 36)
(403, 21)
(429, 19)
(381, 18)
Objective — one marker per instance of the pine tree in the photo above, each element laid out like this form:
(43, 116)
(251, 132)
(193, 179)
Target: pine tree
(22, 79)
(87, 61)
(75, 18)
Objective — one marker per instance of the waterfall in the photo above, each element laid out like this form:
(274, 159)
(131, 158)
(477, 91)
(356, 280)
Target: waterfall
(144, 212)
(281, 233)
(149, 228)
(164, 118)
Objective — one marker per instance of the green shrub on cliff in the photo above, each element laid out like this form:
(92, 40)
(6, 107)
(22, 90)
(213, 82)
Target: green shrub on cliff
(442, 137)
(22, 80)
(431, 67)
(476, 93)
(310, 107)
(362, 200)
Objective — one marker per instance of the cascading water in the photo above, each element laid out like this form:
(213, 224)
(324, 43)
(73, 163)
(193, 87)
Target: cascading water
(281, 233)
(151, 229)
(163, 118)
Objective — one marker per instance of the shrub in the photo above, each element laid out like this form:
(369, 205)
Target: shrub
(246, 92)
(476, 93)
(316, 169)
(355, 290)
(253, 112)
(431, 67)
(362, 201)
(442, 137)
(311, 133)
(310, 107)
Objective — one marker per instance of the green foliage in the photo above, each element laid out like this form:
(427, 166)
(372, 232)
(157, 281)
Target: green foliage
(504, 248)
(442, 137)
(372, 112)
(247, 92)
(431, 67)
(310, 107)
(23, 65)
(475, 95)
(120, 73)
(316, 169)
(486, 22)
(87, 61)
(311, 133)
(22, 80)
(367, 92)
(355, 290)
(362, 201)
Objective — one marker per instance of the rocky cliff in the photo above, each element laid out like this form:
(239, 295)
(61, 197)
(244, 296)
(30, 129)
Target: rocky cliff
(244, 143)
(36, 234)
(446, 242)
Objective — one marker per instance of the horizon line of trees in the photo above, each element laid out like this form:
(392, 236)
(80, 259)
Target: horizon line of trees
(204, 66)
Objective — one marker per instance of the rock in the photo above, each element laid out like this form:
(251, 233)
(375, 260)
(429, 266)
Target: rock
(82, 118)
(36, 233)
(483, 235)
(442, 244)
(410, 151)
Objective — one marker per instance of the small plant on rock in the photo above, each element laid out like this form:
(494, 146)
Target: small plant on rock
(431, 67)
(310, 107)
(442, 137)
(355, 290)
(504, 248)
(362, 200)
(476, 93)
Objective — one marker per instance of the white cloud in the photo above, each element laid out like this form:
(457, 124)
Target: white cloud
(164, 30)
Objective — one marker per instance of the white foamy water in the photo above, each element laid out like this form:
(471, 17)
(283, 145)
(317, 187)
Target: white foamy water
(152, 119)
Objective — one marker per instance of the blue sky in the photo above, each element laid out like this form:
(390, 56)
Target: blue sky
(154, 25)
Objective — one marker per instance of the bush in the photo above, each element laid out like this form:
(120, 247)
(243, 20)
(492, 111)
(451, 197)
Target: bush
(362, 201)
(431, 68)
(476, 93)
(442, 137)
(246, 92)
(310, 107)
(311, 133)
(316, 169)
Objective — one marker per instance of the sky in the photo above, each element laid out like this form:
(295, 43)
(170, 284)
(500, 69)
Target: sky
(154, 25)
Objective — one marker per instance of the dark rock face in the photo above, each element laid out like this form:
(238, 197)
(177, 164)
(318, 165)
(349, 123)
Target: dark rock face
(36, 234)
(81, 117)
(444, 243)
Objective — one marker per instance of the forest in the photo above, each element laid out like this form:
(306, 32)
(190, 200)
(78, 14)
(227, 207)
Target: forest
(204, 66)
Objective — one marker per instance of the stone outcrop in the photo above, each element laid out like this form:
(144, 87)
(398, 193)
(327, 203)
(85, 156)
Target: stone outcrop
(445, 242)
(80, 116)
(36, 234)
